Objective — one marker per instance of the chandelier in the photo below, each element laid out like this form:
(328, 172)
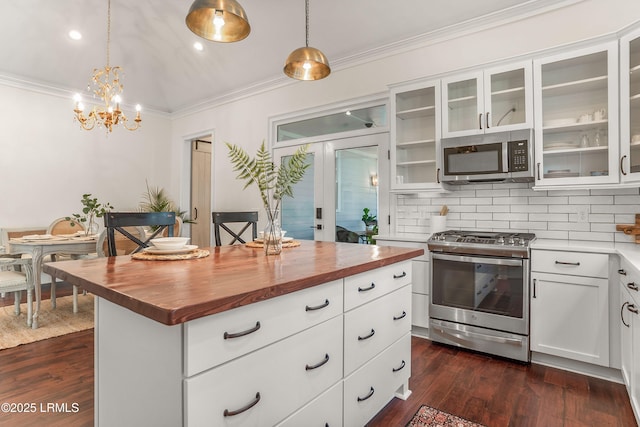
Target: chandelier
(107, 86)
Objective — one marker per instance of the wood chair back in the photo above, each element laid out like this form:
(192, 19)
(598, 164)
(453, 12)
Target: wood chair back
(63, 226)
(222, 219)
(122, 221)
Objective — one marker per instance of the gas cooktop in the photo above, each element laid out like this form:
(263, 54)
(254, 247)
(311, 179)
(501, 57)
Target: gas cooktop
(507, 244)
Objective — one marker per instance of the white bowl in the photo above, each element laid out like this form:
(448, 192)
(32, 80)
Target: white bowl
(170, 243)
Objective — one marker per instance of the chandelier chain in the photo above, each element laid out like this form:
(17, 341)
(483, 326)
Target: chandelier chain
(306, 13)
(108, 29)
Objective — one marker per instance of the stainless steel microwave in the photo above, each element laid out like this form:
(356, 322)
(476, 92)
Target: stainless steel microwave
(500, 157)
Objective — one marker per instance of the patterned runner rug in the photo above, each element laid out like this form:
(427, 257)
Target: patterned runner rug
(431, 417)
(51, 322)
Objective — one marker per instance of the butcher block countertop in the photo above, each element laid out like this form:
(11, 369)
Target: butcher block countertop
(174, 292)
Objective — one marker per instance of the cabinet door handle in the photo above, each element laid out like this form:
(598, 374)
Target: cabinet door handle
(373, 285)
(228, 413)
(480, 120)
(622, 314)
(400, 276)
(362, 399)
(622, 272)
(317, 365)
(402, 316)
(568, 263)
(317, 307)
(366, 337)
(438, 176)
(538, 170)
(228, 335)
(622, 164)
(402, 365)
(632, 308)
(196, 213)
(535, 282)
(487, 120)
(632, 286)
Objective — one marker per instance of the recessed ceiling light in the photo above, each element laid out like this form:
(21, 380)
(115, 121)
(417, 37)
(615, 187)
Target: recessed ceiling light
(75, 35)
(198, 46)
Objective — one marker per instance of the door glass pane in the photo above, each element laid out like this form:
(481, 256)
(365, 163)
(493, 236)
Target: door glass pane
(508, 98)
(297, 213)
(634, 104)
(356, 189)
(463, 105)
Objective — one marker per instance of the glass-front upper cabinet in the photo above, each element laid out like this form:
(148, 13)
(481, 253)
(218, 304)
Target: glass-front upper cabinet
(630, 107)
(576, 102)
(492, 100)
(415, 136)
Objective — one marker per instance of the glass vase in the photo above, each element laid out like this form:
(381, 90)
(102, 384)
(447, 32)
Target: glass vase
(272, 234)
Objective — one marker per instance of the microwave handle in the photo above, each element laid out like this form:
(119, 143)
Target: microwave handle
(505, 157)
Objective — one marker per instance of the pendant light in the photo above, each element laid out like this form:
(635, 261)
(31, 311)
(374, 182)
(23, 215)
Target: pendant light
(218, 20)
(307, 63)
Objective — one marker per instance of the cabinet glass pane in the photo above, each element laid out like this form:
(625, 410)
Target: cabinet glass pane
(415, 145)
(575, 126)
(634, 104)
(508, 98)
(462, 105)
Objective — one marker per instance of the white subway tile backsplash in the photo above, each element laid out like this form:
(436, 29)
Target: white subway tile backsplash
(556, 217)
(549, 200)
(511, 216)
(511, 200)
(627, 200)
(591, 200)
(529, 208)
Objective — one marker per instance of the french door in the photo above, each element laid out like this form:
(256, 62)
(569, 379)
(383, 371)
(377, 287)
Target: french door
(345, 176)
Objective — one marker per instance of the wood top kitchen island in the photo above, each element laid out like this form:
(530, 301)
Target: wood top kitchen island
(320, 332)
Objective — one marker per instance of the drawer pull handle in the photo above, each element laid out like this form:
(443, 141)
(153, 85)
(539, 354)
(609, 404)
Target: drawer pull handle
(402, 365)
(622, 272)
(568, 263)
(622, 314)
(362, 399)
(632, 286)
(317, 307)
(228, 413)
(632, 308)
(228, 335)
(373, 332)
(373, 285)
(316, 366)
(400, 276)
(402, 316)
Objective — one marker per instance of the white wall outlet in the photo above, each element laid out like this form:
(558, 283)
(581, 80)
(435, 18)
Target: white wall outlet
(582, 214)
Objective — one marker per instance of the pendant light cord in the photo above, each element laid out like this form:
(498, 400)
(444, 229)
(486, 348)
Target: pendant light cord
(306, 13)
(108, 29)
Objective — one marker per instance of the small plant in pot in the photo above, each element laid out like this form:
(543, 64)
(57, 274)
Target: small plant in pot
(92, 209)
(370, 223)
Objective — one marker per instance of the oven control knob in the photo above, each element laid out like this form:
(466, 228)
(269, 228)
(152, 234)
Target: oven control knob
(523, 242)
(510, 241)
(500, 240)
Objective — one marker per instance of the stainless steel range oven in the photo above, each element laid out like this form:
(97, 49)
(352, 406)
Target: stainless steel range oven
(479, 296)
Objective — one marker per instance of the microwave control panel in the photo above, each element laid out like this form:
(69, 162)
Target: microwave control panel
(518, 156)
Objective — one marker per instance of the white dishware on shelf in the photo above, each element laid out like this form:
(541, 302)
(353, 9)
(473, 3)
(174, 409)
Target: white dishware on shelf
(600, 114)
(584, 118)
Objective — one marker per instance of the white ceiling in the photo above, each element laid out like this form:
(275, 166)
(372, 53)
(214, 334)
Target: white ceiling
(163, 72)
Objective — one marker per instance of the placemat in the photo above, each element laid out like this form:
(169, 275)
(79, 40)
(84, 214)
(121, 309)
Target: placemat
(291, 244)
(196, 253)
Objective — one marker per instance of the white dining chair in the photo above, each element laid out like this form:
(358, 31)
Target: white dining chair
(16, 275)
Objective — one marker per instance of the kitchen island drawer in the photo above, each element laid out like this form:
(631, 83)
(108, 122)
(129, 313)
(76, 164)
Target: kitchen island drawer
(371, 328)
(364, 287)
(324, 410)
(571, 263)
(213, 340)
(369, 388)
(264, 387)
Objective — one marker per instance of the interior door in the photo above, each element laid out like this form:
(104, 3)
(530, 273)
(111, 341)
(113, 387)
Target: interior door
(201, 193)
(346, 175)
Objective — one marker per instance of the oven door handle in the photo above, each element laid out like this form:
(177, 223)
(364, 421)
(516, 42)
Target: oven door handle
(466, 335)
(477, 260)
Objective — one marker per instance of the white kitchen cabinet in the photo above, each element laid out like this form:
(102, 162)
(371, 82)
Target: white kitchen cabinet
(419, 279)
(415, 136)
(491, 100)
(570, 311)
(630, 106)
(630, 333)
(576, 117)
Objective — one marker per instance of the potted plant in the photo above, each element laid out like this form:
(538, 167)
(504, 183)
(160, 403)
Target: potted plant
(92, 209)
(370, 223)
(156, 200)
(274, 183)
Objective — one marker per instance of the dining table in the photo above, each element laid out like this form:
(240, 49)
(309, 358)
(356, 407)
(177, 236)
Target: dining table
(39, 246)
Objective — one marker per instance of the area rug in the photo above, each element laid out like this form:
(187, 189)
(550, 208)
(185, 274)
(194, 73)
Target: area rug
(51, 322)
(431, 417)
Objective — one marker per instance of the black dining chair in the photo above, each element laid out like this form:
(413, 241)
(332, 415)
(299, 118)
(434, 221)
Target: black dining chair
(221, 219)
(117, 221)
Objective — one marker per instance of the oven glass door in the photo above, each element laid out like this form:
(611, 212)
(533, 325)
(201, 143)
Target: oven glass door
(474, 159)
(480, 284)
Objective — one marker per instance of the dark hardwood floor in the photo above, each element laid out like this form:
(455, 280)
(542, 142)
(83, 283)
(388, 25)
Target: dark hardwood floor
(480, 388)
